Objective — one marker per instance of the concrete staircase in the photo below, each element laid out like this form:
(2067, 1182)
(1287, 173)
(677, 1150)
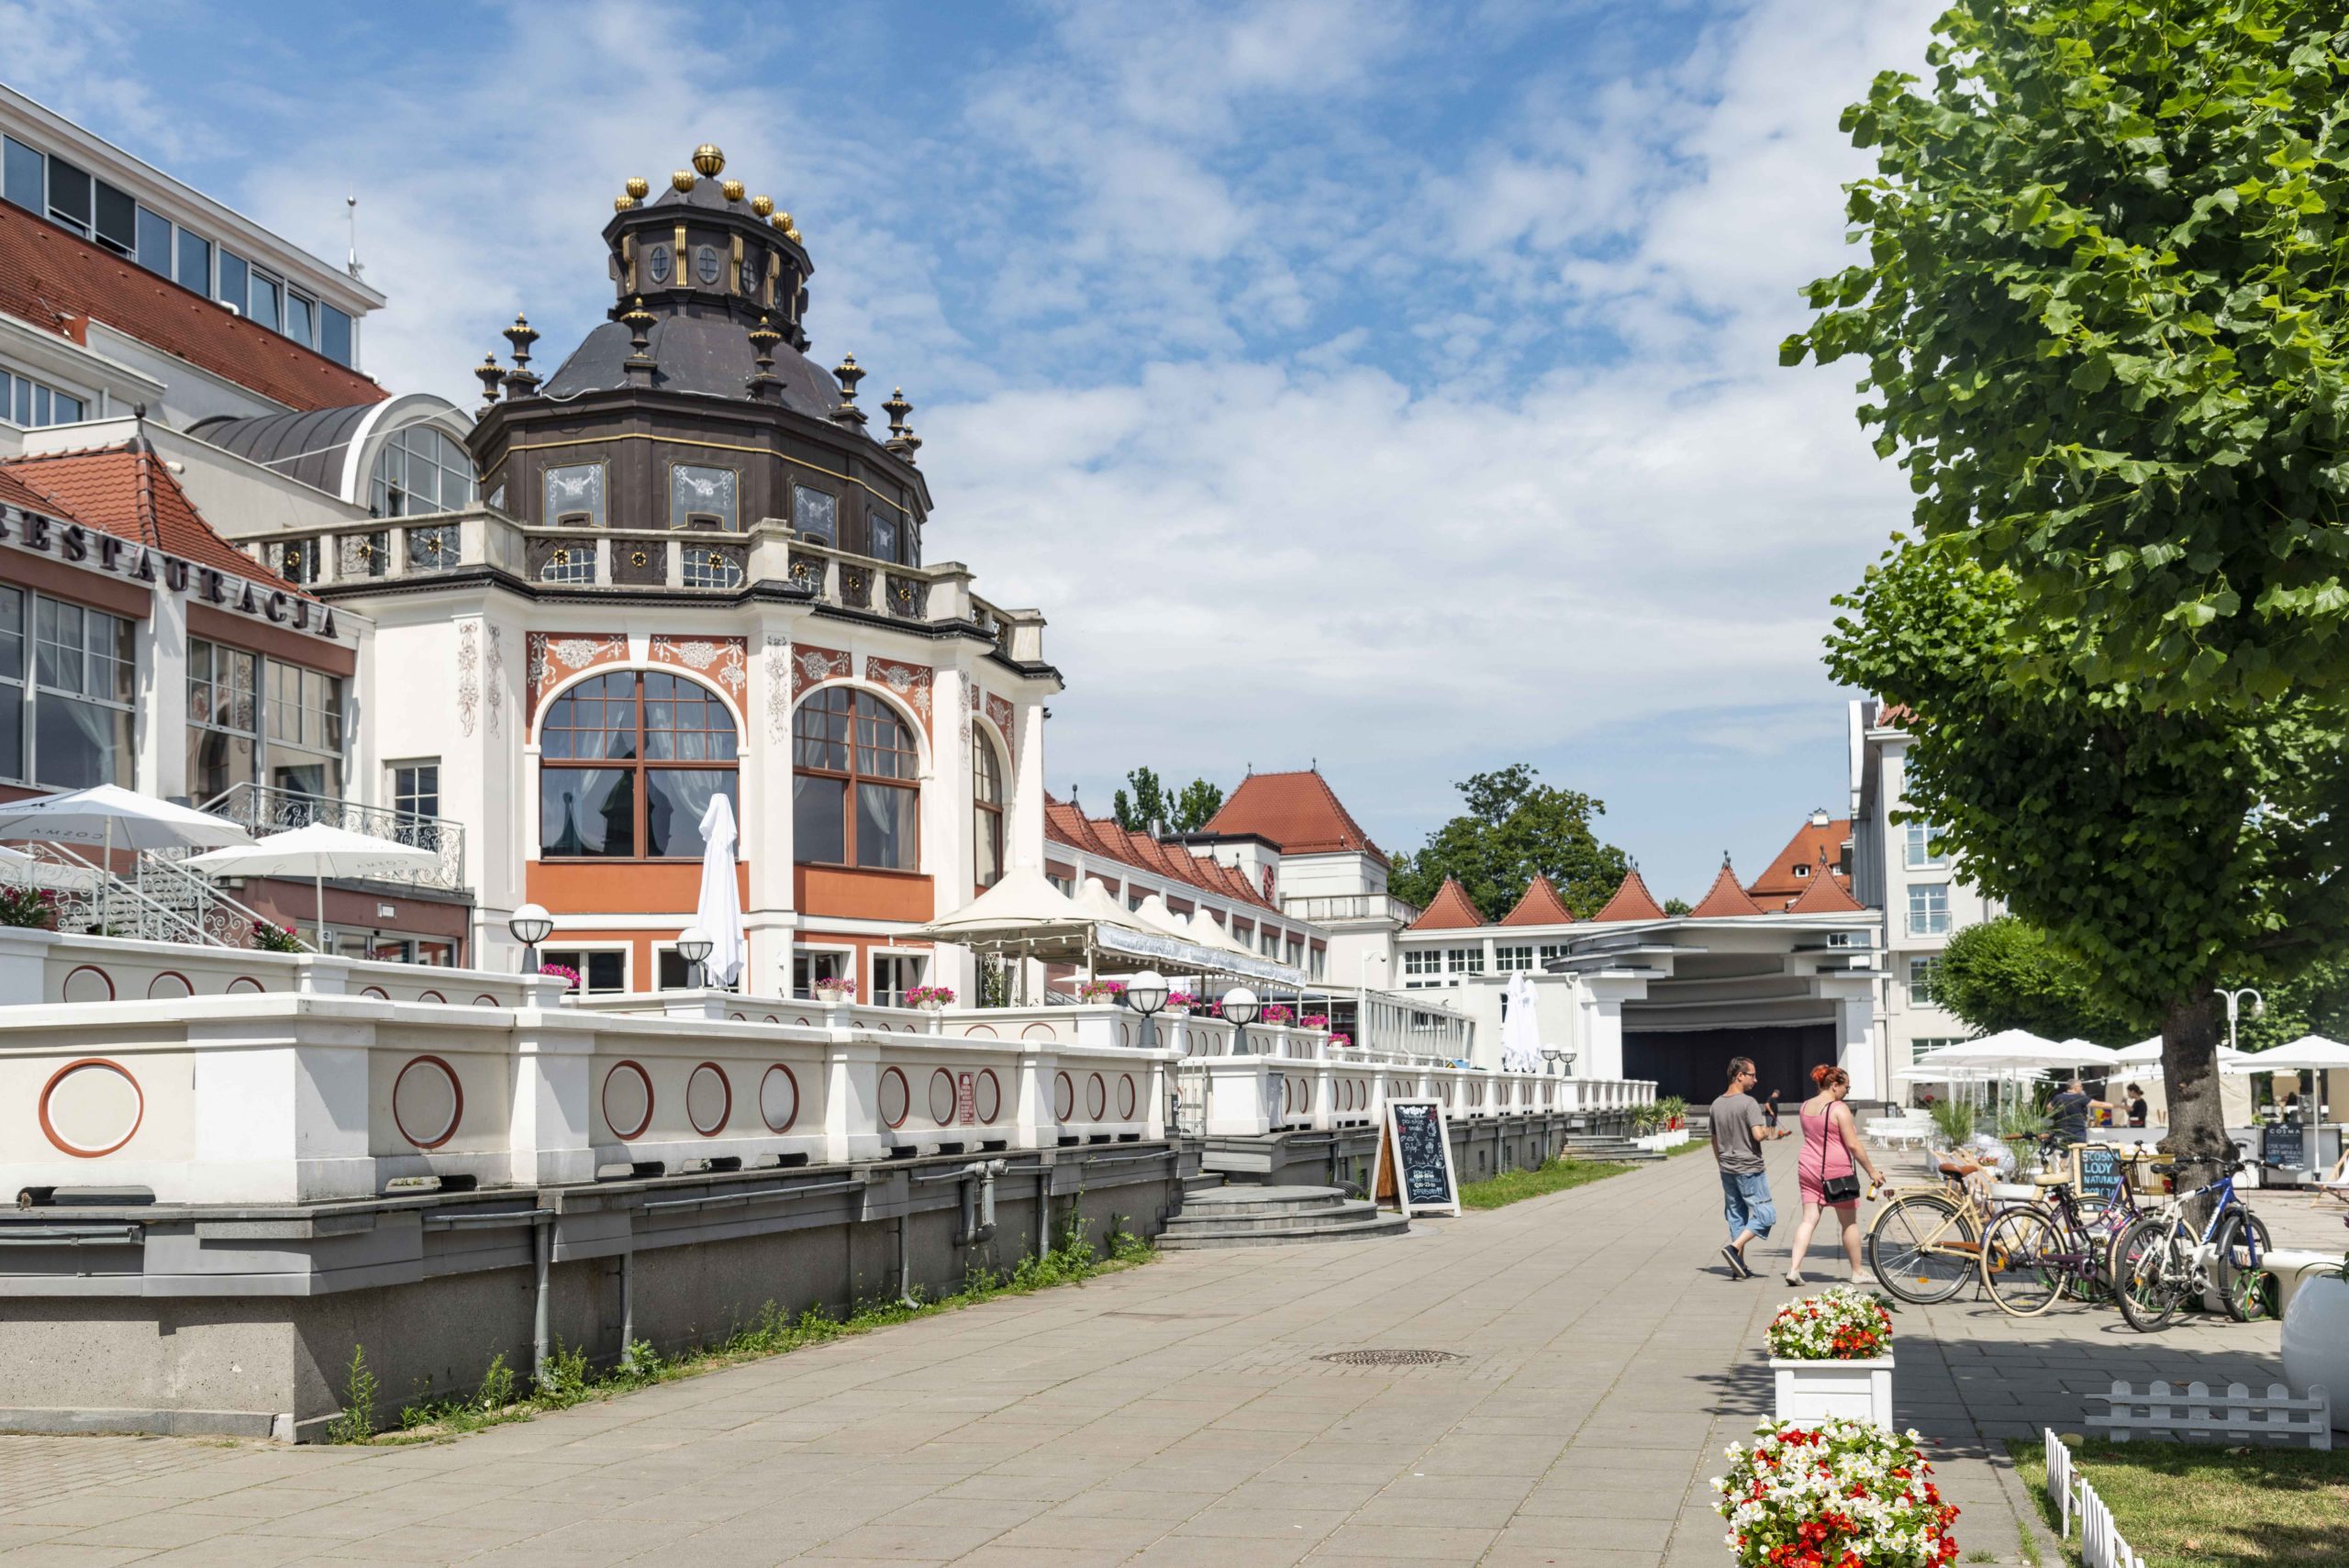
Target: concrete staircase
(1274, 1216)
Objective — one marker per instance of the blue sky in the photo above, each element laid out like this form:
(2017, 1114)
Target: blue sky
(1390, 385)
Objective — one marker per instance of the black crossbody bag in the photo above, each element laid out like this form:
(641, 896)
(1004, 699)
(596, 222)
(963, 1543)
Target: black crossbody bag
(1834, 1189)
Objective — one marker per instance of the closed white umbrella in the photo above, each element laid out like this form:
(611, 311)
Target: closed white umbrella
(1522, 1030)
(719, 911)
(318, 852)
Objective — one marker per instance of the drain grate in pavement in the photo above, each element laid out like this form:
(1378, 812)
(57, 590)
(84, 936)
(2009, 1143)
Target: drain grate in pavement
(1390, 1357)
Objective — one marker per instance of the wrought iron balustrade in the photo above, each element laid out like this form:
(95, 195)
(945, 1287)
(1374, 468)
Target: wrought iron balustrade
(261, 810)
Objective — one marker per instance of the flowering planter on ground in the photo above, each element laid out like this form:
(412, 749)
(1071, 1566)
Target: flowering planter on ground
(1831, 1356)
(1834, 1494)
(1810, 1391)
(1662, 1139)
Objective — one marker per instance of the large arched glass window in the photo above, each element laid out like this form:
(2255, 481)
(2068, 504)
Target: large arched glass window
(853, 795)
(987, 812)
(420, 470)
(628, 763)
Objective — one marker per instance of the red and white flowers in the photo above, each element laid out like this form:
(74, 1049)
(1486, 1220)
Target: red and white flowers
(1833, 1494)
(1839, 1324)
(932, 996)
(1101, 990)
(835, 988)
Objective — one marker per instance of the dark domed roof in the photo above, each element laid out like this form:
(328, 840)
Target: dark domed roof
(311, 447)
(707, 354)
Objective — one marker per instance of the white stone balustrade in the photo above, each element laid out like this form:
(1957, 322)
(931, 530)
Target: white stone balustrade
(328, 1079)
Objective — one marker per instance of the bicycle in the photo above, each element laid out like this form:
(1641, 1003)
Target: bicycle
(2160, 1262)
(2034, 1254)
(1926, 1243)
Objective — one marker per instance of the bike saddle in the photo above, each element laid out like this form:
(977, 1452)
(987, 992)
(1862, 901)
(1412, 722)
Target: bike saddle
(2044, 1180)
(1958, 1168)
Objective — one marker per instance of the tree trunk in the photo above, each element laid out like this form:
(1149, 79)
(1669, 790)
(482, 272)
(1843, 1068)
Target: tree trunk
(2197, 1139)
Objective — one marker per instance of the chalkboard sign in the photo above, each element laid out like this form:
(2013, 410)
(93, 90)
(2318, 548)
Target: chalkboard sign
(2284, 1144)
(2100, 1170)
(1424, 1183)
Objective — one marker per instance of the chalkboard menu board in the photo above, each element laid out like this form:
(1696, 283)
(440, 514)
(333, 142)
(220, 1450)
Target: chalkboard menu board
(2284, 1143)
(1422, 1152)
(2100, 1169)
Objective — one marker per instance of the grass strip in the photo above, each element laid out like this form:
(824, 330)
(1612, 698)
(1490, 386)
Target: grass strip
(1516, 1186)
(2197, 1506)
(501, 1400)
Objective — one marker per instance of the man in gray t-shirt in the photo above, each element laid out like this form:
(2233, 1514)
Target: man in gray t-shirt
(1739, 1131)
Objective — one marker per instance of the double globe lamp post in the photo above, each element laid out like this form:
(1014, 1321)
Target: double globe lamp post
(1146, 993)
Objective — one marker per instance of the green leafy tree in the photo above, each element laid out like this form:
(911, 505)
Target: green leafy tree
(2007, 975)
(2104, 326)
(1199, 801)
(2169, 851)
(1152, 806)
(1677, 906)
(1514, 829)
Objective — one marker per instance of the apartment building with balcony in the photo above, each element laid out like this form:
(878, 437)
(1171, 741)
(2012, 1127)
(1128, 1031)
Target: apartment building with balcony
(1897, 867)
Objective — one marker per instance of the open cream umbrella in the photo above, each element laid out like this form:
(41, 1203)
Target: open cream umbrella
(318, 852)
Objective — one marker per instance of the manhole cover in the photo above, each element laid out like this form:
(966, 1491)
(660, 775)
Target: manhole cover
(1389, 1358)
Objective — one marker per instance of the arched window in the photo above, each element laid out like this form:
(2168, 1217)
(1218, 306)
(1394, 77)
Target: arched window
(628, 763)
(853, 796)
(987, 812)
(420, 470)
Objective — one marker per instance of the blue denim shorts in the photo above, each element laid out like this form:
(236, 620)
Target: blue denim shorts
(1745, 1200)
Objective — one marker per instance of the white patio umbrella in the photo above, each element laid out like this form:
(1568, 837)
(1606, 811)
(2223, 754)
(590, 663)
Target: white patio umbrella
(108, 814)
(2145, 1056)
(2310, 1053)
(318, 852)
(719, 911)
(1522, 1030)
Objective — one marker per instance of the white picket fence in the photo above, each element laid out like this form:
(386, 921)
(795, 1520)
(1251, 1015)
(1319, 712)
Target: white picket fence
(2101, 1545)
(2193, 1414)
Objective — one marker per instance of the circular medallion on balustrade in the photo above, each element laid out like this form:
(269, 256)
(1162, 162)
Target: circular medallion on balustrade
(627, 1101)
(897, 1098)
(433, 996)
(1097, 1096)
(778, 1098)
(941, 1097)
(243, 984)
(709, 1100)
(375, 992)
(486, 1000)
(89, 983)
(1063, 1097)
(1304, 1094)
(91, 1106)
(169, 986)
(986, 1097)
(1125, 1096)
(427, 1102)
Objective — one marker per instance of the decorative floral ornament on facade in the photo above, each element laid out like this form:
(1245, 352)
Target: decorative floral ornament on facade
(812, 666)
(910, 682)
(495, 674)
(468, 674)
(723, 658)
(778, 685)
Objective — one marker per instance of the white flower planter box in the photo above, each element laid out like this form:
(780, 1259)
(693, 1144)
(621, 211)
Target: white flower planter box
(1860, 1390)
(1676, 1137)
(2316, 1340)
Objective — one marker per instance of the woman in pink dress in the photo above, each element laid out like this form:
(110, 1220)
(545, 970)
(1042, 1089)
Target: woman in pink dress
(1831, 1142)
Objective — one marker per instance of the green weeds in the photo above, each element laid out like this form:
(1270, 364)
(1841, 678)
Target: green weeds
(569, 1378)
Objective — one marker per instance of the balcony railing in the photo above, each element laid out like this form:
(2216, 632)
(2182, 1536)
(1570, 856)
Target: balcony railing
(261, 810)
(1329, 910)
(624, 560)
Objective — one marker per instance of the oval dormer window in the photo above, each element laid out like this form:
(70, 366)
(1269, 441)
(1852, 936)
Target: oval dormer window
(707, 265)
(657, 264)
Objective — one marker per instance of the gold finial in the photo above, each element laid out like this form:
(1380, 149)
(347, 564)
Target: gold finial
(708, 159)
(639, 186)
(781, 220)
(761, 206)
(683, 180)
(621, 204)
(733, 189)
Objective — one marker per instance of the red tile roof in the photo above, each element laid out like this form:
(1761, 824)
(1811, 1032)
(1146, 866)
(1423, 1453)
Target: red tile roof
(17, 493)
(1065, 823)
(1451, 911)
(128, 492)
(1826, 895)
(56, 280)
(1295, 811)
(1632, 901)
(1779, 886)
(1726, 898)
(1539, 905)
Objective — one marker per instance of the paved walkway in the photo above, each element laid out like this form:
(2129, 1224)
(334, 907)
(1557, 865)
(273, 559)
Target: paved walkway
(1175, 1414)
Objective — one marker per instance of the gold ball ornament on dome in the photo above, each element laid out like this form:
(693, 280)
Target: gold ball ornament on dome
(621, 204)
(733, 189)
(684, 180)
(639, 186)
(761, 206)
(708, 159)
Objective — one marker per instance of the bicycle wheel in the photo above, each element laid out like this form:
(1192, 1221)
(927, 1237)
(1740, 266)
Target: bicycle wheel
(2149, 1270)
(1922, 1248)
(2087, 1248)
(2023, 1261)
(2247, 1291)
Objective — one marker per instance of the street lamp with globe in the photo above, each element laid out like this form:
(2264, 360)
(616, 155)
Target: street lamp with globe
(530, 925)
(1146, 993)
(693, 946)
(1240, 1010)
